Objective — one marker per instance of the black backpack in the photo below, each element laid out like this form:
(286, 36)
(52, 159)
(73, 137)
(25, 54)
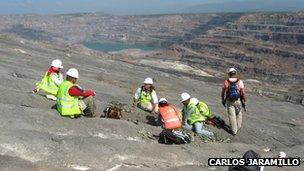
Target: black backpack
(233, 92)
(174, 137)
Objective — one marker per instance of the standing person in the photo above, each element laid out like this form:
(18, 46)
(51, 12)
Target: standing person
(233, 98)
(169, 116)
(145, 97)
(68, 98)
(192, 117)
(51, 80)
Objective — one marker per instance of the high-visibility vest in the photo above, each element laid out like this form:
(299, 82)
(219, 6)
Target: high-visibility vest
(47, 84)
(67, 105)
(204, 110)
(195, 116)
(169, 117)
(144, 97)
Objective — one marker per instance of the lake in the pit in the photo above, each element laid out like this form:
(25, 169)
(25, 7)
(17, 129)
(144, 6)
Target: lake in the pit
(118, 46)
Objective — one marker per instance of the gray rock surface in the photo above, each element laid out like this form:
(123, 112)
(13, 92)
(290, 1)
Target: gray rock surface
(34, 137)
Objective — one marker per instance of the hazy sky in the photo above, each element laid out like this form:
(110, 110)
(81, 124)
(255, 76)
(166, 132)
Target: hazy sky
(142, 6)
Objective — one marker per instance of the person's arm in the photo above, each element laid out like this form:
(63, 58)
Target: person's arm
(186, 114)
(60, 78)
(155, 100)
(184, 117)
(243, 99)
(224, 90)
(242, 95)
(57, 79)
(223, 96)
(136, 96)
(76, 91)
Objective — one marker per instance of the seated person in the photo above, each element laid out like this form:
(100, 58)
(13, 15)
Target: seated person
(68, 98)
(145, 97)
(51, 80)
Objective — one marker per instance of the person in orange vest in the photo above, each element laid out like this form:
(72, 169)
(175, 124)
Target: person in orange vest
(169, 116)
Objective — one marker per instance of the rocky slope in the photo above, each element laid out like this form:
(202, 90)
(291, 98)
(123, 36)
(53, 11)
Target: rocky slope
(34, 137)
(267, 47)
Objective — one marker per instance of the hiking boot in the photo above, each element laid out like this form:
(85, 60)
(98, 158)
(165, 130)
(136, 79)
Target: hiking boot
(191, 135)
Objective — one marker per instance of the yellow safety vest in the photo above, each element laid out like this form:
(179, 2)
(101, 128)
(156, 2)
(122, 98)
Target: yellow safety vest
(204, 110)
(47, 84)
(67, 105)
(144, 97)
(195, 116)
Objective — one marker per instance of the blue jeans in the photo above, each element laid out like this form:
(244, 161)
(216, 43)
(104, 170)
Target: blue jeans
(199, 128)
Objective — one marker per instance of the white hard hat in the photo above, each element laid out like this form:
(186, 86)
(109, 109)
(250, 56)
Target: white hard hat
(162, 100)
(57, 63)
(282, 154)
(148, 81)
(73, 72)
(184, 97)
(232, 70)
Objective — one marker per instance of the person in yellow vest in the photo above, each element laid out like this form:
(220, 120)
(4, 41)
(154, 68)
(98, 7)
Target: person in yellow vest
(72, 100)
(51, 80)
(192, 117)
(145, 97)
(203, 108)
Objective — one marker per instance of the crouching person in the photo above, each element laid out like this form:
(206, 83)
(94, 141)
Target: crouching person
(68, 98)
(192, 117)
(50, 81)
(170, 119)
(169, 116)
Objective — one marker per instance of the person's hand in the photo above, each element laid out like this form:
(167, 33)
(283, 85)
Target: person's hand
(244, 106)
(224, 103)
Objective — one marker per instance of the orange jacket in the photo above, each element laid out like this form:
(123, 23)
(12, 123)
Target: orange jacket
(169, 116)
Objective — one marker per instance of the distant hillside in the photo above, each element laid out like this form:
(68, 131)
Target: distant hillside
(248, 6)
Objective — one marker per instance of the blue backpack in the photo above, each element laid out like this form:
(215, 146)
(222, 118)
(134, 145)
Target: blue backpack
(233, 92)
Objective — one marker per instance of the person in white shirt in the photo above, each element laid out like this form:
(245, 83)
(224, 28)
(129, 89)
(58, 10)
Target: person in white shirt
(145, 97)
